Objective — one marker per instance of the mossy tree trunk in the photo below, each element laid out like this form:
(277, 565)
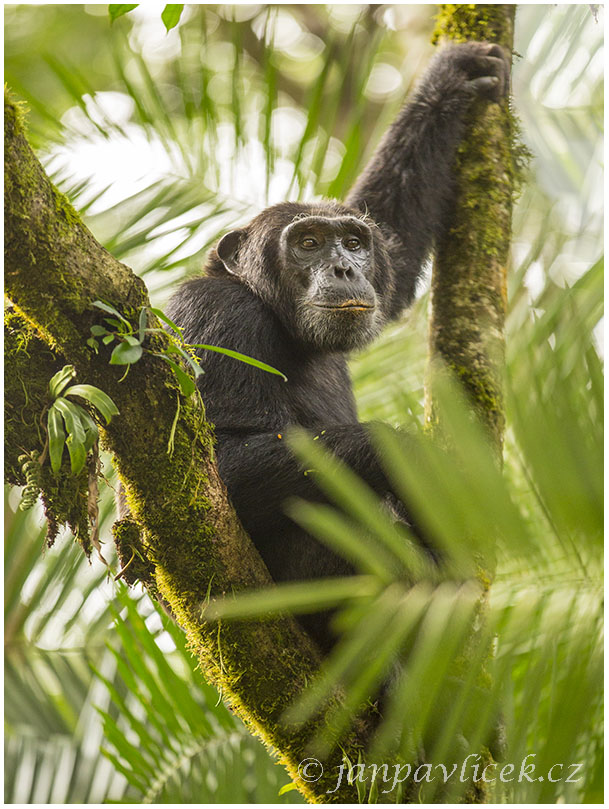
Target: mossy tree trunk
(468, 288)
(469, 283)
(191, 542)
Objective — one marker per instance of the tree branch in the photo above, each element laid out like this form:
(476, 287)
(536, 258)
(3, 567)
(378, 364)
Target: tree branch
(468, 288)
(197, 547)
(469, 284)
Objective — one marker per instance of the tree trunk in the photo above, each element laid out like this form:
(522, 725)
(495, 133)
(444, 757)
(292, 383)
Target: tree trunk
(468, 287)
(469, 284)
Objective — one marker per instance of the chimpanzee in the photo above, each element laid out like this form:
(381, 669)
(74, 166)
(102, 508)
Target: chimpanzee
(301, 285)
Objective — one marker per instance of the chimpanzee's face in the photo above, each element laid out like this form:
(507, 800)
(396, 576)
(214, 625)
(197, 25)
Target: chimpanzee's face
(328, 263)
(315, 271)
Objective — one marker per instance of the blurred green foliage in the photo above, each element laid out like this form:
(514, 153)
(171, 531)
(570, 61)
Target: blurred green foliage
(164, 140)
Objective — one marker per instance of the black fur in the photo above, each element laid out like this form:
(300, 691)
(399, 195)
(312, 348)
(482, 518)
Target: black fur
(258, 294)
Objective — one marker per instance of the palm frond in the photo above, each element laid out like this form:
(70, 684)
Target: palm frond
(170, 735)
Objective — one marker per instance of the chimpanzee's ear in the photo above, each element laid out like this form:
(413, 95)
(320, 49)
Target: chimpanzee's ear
(228, 250)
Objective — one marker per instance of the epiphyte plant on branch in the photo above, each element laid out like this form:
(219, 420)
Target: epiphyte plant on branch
(82, 432)
(130, 344)
(80, 435)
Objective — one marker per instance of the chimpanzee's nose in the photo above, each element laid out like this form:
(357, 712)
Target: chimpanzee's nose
(345, 273)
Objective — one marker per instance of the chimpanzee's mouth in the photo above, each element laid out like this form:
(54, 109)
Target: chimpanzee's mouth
(346, 306)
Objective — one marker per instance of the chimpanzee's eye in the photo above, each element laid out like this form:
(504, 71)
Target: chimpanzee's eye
(353, 243)
(309, 243)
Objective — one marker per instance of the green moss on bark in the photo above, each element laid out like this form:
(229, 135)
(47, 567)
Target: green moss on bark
(467, 21)
(469, 290)
(31, 364)
(44, 234)
(133, 555)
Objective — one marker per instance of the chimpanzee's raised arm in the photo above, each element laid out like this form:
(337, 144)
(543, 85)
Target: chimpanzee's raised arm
(407, 187)
(303, 284)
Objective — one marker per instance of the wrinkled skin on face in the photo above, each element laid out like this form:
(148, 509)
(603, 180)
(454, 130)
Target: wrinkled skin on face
(330, 263)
